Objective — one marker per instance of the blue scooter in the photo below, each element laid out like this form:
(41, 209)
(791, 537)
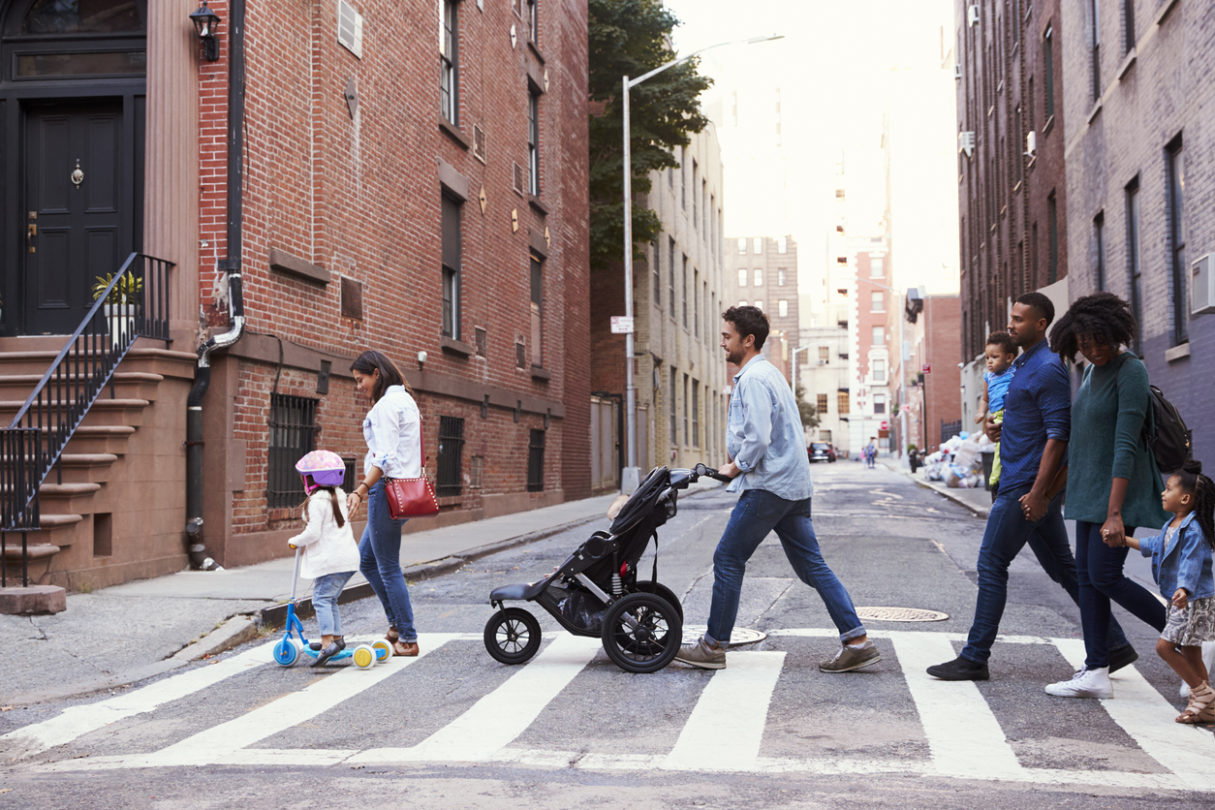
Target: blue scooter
(287, 650)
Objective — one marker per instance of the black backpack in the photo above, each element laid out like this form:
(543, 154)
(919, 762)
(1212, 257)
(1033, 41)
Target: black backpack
(1165, 433)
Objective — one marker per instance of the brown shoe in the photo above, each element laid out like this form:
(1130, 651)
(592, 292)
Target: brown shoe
(392, 635)
(405, 648)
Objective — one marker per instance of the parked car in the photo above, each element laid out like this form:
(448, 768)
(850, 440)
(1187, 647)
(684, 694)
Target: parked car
(821, 451)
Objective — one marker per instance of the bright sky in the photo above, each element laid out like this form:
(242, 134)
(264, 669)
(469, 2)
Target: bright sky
(791, 112)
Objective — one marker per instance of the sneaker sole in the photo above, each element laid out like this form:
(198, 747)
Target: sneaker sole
(979, 676)
(861, 665)
(1070, 694)
(701, 664)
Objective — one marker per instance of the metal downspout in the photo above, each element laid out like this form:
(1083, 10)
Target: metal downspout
(200, 559)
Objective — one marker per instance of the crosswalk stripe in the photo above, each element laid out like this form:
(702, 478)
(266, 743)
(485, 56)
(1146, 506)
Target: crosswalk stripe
(76, 721)
(1139, 709)
(963, 734)
(725, 729)
(498, 718)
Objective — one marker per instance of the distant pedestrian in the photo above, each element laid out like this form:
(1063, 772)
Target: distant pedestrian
(1033, 440)
(769, 465)
(1112, 481)
(999, 354)
(1181, 564)
(329, 555)
(392, 430)
(871, 452)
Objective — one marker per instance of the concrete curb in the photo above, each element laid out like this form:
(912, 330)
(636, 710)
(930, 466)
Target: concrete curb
(944, 492)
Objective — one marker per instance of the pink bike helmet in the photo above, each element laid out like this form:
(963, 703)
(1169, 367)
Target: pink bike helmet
(325, 467)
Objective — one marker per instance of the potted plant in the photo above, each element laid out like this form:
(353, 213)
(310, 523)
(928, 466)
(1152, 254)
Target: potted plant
(121, 304)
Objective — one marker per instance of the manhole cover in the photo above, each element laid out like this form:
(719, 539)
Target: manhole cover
(740, 635)
(900, 614)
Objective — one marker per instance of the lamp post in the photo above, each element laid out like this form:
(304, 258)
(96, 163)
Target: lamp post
(793, 380)
(631, 476)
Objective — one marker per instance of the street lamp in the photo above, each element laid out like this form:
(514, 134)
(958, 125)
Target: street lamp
(631, 475)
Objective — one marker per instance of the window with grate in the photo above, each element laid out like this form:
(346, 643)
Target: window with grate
(449, 476)
(292, 432)
(535, 461)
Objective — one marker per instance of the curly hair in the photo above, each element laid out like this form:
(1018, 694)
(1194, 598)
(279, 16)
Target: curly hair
(1102, 316)
(1202, 490)
(748, 321)
(1003, 340)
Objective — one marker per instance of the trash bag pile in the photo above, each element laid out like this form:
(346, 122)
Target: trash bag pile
(959, 461)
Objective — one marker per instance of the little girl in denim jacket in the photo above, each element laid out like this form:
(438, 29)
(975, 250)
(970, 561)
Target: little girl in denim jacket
(1181, 565)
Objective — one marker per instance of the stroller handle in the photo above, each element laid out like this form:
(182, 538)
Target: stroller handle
(701, 470)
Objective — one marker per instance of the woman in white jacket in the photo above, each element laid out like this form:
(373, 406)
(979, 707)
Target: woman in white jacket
(330, 555)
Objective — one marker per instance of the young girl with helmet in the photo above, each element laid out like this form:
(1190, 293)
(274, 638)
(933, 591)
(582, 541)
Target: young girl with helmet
(330, 555)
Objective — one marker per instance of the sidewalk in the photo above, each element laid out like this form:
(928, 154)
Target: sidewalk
(113, 636)
(977, 501)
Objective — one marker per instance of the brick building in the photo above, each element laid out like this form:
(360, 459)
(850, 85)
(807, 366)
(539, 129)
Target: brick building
(408, 176)
(1011, 143)
(872, 298)
(679, 372)
(1140, 175)
(934, 397)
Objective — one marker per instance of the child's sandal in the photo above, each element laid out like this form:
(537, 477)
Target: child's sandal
(1201, 708)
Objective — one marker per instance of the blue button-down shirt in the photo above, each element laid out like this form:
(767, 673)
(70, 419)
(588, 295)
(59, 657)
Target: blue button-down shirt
(1037, 407)
(1184, 564)
(764, 434)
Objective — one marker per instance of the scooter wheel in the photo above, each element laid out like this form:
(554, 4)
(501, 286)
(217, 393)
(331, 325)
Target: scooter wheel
(382, 650)
(363, 656)
(642, 632)
(286, 652)
(512, 636)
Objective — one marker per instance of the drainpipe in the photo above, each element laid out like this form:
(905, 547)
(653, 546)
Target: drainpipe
(195, 547)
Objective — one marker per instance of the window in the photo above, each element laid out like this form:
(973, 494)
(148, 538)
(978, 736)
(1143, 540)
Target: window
(780, 277)
(449, 65)
(535, 456)
(687, 438)
(742, 246)
(879, 372)
(842, 405)
(695, 199)
(1176, 214)
(820, 404)
(449, 479)
(671, 278)
(657, 273)
(876, 267)
(695, 302)
(1052, 256)
(1094, 47)
(695, 413)
(674, 412)
(782, 244)
(533, 139)
(759, 305)
(757, 245)
(879, 336)
(782, 308)
(758, 277)
(879, 404)
(824, 354)
(292, 431)
(877, 301)
(1048, 67)
(685, 291)
(1099, 237)
(1128, 25)
(742, 277)
(537, 310)
(1132, 255)
(683, 177)
(451, 267)
(533, 26)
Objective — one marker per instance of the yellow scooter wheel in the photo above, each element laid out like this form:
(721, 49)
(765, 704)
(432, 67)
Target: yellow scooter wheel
(364, 656)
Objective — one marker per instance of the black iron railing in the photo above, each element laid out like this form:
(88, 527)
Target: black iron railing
(134, 303)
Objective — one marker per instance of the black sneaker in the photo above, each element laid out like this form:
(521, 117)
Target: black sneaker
(959, 669)
(1123, 656)
(338, 640)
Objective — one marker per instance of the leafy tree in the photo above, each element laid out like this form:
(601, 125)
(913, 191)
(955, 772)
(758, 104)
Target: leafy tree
(632, 37)
(809, 413)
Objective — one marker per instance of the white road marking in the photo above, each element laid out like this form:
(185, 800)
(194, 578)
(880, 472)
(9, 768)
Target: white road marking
(1147, 717)
(963, 733)
(498, 718)
(725, 729)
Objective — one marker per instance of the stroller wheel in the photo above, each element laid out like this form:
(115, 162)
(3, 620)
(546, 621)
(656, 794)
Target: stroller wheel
(512, 635)
(658, 589)
(642, 632)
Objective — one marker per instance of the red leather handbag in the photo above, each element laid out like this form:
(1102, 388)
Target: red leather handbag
(412, 497)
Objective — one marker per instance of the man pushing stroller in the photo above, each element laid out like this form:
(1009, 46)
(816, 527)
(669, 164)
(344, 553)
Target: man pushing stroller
(769, 466)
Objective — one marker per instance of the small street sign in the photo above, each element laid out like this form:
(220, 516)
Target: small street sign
(926, 368)
(621, 325)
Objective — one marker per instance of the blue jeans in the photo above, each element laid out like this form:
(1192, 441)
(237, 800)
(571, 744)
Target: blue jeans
(325, 592)
(380, 562)
(757, 513)
(1099, 570)
(1006, 534)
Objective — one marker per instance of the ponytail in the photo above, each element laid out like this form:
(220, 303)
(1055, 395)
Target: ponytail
(337, 508)
(1203, 491)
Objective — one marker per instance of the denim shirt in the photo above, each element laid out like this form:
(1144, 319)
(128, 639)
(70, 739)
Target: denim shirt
(764, 433)
(1186, 565)
(1037, 407)
(393, 431)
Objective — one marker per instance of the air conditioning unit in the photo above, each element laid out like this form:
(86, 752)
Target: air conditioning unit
(1202, 285)
(972, 14)
(957, 72)
(966, 142)
(1031, 143)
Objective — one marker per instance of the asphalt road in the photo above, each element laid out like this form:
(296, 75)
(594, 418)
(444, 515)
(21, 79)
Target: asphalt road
(454, 728)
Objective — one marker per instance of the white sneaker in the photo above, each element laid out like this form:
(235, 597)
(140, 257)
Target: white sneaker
(1087, 683)
(1208, 658)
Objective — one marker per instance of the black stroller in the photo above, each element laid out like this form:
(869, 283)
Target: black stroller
(595, 592)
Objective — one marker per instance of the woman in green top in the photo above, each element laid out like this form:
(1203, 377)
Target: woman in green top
(1112, 481)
